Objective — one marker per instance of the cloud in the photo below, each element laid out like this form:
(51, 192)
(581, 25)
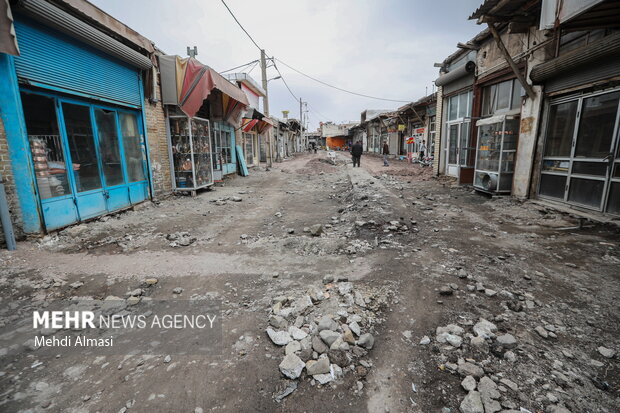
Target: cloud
(383, 48)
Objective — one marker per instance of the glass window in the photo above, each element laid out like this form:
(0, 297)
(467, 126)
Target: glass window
(226, 147)
(489, 95)
(464, 144)
(560, 130)
(453, 108)
(453, 143)
(613, 203)
(489, 146)
(82, 146)
(463, 105)
(586, 192)
(517, 92)
(552, 185)
(46, 145)
(504, 90)
(132, 143)
(596, 127)
(109, 147)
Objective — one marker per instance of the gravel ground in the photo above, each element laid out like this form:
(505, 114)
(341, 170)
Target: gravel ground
(476, 302)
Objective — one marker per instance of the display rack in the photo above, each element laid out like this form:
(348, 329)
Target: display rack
(495, 155)
(191, 153)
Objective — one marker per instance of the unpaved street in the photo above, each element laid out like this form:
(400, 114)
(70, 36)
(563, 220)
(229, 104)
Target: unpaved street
(449, 283)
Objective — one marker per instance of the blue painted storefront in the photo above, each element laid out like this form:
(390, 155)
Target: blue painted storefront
(94, 160)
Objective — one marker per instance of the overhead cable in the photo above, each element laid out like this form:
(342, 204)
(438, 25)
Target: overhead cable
(339, 88)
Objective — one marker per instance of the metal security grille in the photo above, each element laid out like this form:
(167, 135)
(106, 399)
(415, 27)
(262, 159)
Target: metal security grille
(52, 60)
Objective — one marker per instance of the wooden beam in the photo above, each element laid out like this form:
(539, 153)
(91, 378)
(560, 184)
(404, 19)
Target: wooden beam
(467, 46)
(500, 44)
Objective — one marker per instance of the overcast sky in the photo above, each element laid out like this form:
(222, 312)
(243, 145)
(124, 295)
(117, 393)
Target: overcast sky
(383, 48)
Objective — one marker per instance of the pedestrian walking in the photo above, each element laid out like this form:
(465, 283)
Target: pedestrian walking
(356, 153)
(422, 150)
(386, 152)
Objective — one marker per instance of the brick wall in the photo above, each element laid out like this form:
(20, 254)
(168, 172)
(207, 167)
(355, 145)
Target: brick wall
(9, 185)
(158, 145)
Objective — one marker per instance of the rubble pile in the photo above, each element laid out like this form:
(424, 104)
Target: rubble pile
(326, 332)
(504, 373)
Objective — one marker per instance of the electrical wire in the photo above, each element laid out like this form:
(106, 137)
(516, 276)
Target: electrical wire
(339, 88)
(238, 67)
(284, 81)
(253, 67)
(240, 25)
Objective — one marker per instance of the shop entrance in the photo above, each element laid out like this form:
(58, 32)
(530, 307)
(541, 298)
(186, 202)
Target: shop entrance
(88, 159)
(581, 159)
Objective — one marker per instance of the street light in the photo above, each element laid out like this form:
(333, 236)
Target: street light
(275, 78)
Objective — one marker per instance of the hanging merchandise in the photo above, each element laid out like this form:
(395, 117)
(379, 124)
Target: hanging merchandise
(191, 153)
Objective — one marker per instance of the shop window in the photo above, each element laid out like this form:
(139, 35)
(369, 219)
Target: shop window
(133, 147)
(552, 185)
(489, 146)
(501, 97)
(586, 192)
(453, 143)
(596, 127)
(46, 145)
(82, 146)
(613, 203)
(109, 147)
(459, 106)
(464, 144)
(248, 139)
(225, 148)
(560, 130)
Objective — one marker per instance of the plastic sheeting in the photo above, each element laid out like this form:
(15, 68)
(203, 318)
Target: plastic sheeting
(187, 83)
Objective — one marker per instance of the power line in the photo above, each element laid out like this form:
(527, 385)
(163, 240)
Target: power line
(242, 28)
(284, 81)
(339, 88)
(253, 67)
(237, 67)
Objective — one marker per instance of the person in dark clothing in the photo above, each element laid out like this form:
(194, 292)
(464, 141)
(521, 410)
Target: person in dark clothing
(356, 153)
(386, 152)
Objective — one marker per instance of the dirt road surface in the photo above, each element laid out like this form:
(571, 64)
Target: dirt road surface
(530, 308)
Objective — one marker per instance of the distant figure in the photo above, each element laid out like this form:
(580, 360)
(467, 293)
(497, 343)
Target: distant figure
(356, 152)
(314, 146)
(422, 150)
(386, 152)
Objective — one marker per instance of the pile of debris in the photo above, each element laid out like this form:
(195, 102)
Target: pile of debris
(326, 331)
(483, 358)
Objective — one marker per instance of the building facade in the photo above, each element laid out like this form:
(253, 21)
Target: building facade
(75, 100)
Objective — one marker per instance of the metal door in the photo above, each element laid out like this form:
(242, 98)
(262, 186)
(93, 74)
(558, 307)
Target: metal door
(592, 156)
(111, 158)
(77, 125)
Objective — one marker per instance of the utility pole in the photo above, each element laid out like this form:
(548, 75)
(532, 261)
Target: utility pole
(301, 123)
(263, 66)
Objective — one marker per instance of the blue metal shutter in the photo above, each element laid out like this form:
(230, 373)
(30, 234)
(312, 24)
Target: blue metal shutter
(53, 60)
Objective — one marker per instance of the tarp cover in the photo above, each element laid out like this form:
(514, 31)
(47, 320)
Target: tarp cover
(195, 81)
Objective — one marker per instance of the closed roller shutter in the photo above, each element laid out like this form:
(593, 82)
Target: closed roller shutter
(53, 60)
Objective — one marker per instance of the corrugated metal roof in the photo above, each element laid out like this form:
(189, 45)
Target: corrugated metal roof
(504, 10)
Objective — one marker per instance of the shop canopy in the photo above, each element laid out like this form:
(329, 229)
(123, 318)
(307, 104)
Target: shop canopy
(254, 118)
(186, 82)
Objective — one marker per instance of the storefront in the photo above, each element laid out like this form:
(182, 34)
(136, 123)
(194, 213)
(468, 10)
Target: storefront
(457, 140)
(579, 147)
(498, 135)
(581, 156)
(78, 120)
(203, 110)
(255, 137)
